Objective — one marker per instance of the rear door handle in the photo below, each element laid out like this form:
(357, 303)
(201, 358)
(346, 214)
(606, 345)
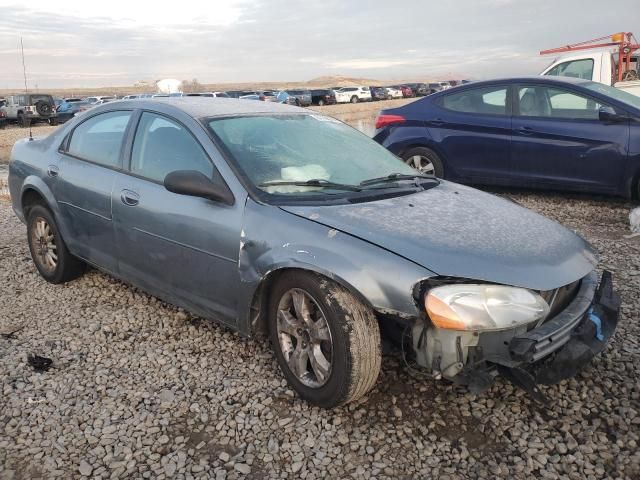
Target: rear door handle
(525, 131)
(129, 198)
(52, 171)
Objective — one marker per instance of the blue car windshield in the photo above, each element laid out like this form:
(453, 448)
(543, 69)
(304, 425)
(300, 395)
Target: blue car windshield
(614, 93)
(272, 149)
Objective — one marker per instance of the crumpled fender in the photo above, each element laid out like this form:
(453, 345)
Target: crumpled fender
(273, 239)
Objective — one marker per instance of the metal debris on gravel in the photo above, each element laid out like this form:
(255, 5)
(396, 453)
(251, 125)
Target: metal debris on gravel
(144, 390)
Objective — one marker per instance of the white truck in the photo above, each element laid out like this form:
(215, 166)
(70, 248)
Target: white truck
(613, 60)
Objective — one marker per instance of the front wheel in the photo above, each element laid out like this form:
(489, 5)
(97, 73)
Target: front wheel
(425, 161)
(48, 251)
(320, 103)
(327, 341)
(354, 99)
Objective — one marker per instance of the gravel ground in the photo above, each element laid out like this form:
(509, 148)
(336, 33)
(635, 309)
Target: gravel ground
(139, 388)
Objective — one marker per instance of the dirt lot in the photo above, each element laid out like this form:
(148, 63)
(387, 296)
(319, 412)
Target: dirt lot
(139, 388)
(13, 133)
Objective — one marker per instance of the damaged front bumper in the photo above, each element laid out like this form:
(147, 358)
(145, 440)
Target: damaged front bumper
(547, 354)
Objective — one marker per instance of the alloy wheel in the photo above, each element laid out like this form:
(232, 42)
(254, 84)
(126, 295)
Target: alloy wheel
(422, 164)
(44, 245)
(304, 337)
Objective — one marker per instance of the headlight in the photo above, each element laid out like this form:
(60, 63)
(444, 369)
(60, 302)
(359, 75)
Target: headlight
(483, 307)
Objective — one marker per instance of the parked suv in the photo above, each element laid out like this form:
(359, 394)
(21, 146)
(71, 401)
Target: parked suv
(353, 95)
(323, 97)
(302, 97)
(31, 107)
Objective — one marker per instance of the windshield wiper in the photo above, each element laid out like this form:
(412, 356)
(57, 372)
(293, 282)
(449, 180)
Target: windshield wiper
(315, 182)
(394, 177)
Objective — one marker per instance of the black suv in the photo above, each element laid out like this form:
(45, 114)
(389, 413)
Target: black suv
(323, 97)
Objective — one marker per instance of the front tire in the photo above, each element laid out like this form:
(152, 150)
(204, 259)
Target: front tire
(354, 99)
(320, 103)
(48, 251)
(326, 341)
(425, 161)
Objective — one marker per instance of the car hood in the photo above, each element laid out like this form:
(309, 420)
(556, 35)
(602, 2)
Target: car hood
(457, 231)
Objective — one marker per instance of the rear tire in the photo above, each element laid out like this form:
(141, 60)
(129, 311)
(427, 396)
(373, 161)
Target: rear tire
(327, 342)
(425, 161)
(53, 122)
(23, 120)
(320, 103)
(48, 250)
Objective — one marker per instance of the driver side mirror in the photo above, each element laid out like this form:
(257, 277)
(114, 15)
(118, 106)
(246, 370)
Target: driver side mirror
(609, 115)
(196, 184)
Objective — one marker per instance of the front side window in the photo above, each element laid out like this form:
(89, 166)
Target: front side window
(162, 146)
(271, 149)
(486, 100)
(574, 68)
(553, 102)
(99, 139)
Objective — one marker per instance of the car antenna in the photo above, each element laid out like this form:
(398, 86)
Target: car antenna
(26, 89)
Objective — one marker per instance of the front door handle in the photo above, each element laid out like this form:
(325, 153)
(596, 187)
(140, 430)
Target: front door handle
(52, 170)
(525, 131)
(129, 198)
(438, 122)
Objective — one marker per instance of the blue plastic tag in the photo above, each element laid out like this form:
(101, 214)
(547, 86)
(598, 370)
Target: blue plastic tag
(597, 322)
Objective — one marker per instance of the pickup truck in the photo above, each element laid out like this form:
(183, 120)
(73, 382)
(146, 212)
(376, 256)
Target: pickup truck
(598, 66)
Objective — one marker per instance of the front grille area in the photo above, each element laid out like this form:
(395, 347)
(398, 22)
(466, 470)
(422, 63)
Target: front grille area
(559, 298)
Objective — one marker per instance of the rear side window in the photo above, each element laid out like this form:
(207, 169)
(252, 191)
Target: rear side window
(162, 146)
(487, 100)
(575, 68)
(552, 102)
(99, 139)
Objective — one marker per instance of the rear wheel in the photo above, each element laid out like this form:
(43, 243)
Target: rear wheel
(326, 341)
(425, 161)
(53, 122)
(23, 120)
(320, 103)
(48, 250)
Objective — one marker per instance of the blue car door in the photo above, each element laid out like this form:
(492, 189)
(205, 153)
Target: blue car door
(559, 141)
(184, 249)
(471, 129)
(82, 179)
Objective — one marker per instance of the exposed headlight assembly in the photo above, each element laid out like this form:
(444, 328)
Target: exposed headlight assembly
(474, 307)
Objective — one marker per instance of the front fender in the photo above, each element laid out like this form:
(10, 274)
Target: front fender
(273, 239)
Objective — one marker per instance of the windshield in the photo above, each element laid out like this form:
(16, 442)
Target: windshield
(299, 148)
(615, 93)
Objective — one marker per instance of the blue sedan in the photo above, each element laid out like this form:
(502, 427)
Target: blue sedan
(537, 132)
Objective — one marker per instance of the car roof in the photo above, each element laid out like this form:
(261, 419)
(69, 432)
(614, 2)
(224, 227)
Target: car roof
(533, 78)
(201, 107)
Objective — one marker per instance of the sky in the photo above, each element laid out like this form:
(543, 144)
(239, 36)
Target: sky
(84, 43)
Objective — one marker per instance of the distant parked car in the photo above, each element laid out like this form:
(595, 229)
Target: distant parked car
(541, 132)
(100, 99)
(434, 87)
(379, 93)
(207, 94)
(406, 91)
(393, 92)
(323, 97)
(30, 108)
(302, 98)
(353, 95)
(419, 89)
(3, 117)
(70, 107)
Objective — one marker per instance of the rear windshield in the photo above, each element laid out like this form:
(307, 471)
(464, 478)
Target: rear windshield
(41, 98)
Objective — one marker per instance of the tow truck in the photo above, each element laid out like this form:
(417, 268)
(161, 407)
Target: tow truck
(615, 61)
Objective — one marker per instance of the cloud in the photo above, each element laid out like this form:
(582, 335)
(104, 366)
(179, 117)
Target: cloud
(79, 43)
